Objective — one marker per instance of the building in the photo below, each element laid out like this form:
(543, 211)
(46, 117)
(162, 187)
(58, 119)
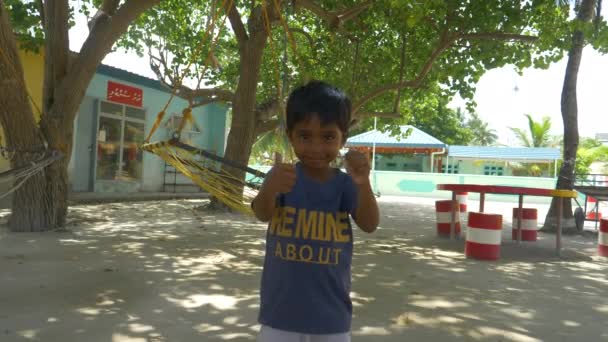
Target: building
(501, 160)
(412, 151)
(418, 151)
(117, 112)
(602, 137)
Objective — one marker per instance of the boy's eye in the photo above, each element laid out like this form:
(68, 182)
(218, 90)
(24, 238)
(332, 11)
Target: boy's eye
(330, 137)
(304, 136)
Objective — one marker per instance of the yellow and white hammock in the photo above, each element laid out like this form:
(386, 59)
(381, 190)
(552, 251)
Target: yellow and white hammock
(220, 177)
(231, 183)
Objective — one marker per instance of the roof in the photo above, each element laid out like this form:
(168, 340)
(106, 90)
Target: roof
(132, 77)
(528, 154)
(416, 138)
(601, 136)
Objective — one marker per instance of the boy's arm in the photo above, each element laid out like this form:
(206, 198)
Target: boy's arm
(280, 179)
(367, 215)
(263, 205)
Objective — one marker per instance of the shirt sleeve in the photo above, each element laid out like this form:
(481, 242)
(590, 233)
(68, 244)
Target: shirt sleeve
(350, 196)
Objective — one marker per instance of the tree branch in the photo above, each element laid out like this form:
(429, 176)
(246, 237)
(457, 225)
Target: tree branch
(497, 36)
(214, 94)
(97, 45)
(335, 19)
(236, 21)
(57, 44)
(266, 110)
(165, 75)
(109, 6)
(107, 9)
(264, 126)
(446, 42)
(205, 102)
(308, 37)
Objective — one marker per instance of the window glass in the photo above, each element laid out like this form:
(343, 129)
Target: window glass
(110, 108)
(135, 113)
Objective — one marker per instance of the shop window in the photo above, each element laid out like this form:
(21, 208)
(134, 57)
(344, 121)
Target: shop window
(450, 168)
(493, 170)
(120, 133)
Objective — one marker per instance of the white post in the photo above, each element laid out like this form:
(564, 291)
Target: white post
(374, 147)
(447, 166)
(555, 168)
(374, 185)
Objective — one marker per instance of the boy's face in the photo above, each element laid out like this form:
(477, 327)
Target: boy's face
(316, 145)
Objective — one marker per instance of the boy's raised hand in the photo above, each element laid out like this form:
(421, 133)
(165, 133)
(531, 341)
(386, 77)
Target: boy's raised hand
(358, 166)
(282, 177)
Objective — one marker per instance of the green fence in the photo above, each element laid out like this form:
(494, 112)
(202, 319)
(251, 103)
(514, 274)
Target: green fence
(422, 184)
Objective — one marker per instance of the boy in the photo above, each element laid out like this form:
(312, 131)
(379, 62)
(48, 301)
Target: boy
(305, 290)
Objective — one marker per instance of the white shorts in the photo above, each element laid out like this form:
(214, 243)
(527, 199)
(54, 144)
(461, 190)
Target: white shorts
(268, 334)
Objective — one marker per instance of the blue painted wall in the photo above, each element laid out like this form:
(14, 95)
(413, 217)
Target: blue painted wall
(210, 118)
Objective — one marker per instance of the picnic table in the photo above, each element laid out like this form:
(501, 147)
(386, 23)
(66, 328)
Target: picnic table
(592, 186)
(511, 190)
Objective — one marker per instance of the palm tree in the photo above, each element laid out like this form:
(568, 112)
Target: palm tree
(482, 134)
(589, 152)
(538, 134)
(587, 11)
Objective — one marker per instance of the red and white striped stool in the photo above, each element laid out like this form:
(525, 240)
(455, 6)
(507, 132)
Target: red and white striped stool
(602, 238)
(592, 204)
(484, 232)
(443, 209)
(461, 197)
(528, 224)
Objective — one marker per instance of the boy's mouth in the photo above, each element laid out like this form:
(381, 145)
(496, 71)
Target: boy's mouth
(316, 161)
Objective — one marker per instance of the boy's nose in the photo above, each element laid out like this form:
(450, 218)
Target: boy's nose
(316, 147)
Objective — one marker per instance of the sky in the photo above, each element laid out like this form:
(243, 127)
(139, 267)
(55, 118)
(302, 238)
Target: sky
(539, 94)
(539, 91)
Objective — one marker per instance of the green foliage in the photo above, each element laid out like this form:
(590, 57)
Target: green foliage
(26, 20)
(589, 143)
(27, 23)
(482, 134)
(538, 133)
(178, 26)
(370, 55)
(428, 113)
(589, 151)
(262, 152)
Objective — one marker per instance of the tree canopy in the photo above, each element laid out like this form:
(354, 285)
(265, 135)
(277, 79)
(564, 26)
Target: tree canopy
(483, 135)
(538, 133)
(443, 43)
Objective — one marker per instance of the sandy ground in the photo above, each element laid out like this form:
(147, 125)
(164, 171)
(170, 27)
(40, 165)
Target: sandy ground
(165, 271)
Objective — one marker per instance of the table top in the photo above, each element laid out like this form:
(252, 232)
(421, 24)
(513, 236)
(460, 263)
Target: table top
(507, 190)
(597, 192)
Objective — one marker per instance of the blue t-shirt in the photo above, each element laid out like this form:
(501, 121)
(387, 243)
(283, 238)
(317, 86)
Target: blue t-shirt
(309, 245)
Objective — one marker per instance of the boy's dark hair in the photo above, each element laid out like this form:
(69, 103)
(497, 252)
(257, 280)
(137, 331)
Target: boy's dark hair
(329, 103)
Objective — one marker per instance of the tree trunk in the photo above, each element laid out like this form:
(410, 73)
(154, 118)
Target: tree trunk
(243, 125)
(569, 109)
(59, 138)
(41, 202)
(21, 134)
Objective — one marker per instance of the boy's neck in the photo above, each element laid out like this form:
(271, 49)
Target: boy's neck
(319, 175)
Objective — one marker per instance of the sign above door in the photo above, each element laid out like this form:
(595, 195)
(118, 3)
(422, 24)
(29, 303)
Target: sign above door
(125, 94)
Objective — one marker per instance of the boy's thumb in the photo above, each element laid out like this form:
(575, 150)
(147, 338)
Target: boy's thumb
(278, 158)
